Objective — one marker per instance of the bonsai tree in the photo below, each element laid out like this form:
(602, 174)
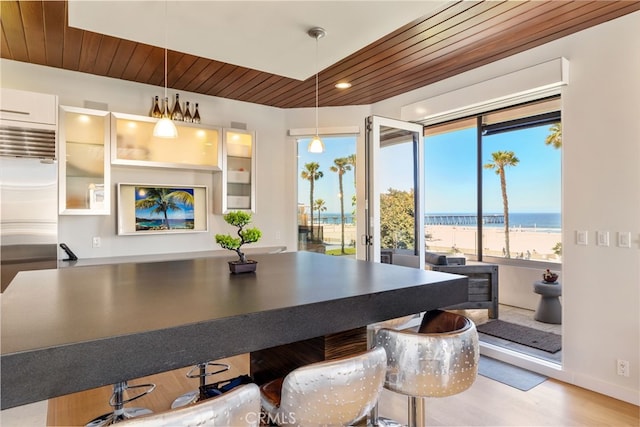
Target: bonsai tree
(238, 219)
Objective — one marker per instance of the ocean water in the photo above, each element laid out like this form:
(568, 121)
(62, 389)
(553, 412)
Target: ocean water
(333, 218)
(536, 220)
(541, 221)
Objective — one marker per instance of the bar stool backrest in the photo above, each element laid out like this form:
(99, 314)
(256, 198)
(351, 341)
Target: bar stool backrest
(428, 363)
(238, 407)
(334, 392)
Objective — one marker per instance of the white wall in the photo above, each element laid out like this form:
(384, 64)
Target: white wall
(516, 285)
(601, 191)
(274, 190)
(601, 181)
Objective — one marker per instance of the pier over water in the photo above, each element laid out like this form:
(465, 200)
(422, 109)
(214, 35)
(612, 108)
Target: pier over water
(469, 219)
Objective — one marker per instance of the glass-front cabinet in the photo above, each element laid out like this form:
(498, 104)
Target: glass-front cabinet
(84, 172)
(237, 181)
(133, 143)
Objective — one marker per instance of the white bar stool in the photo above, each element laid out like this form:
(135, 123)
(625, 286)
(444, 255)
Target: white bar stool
(438, 360)
(239, 407)
(333, 392)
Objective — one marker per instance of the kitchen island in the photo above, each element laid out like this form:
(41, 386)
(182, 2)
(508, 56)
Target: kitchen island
(73, 329)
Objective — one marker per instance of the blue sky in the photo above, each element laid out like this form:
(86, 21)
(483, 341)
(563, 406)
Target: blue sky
(533, 186)
(450, 172)
(327, 187)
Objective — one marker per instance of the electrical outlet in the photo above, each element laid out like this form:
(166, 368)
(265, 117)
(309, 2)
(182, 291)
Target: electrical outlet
(623, 368)
(96, 242)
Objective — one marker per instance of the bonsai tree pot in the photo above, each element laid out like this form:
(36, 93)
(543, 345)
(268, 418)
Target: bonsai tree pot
(238, 267)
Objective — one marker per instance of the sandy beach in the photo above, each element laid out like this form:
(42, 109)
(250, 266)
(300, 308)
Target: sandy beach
(526, 243)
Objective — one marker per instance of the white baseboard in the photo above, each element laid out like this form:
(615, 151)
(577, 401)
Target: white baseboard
(625, 394)
(555, 371)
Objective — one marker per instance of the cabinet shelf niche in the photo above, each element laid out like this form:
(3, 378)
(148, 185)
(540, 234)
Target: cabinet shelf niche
(133, 144)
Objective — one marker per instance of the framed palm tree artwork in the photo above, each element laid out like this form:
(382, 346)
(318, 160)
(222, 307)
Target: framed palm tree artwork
(161, 209)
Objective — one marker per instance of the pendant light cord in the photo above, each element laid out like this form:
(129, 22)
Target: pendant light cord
(166, 108)
(316, 145)
(317, 37)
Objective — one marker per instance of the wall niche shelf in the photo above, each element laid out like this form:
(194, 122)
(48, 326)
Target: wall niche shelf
(236, 183)
(132, 143)
(84, 172)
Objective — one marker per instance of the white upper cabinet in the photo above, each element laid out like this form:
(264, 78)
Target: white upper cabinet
(236, 184)
(132, 143)
(28, 107)
(84, 169)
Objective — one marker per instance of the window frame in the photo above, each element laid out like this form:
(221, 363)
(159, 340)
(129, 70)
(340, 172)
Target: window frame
(484, 129)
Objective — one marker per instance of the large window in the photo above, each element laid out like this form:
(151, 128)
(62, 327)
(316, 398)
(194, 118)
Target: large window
(326, 197)
(493, 184)
(451, 187)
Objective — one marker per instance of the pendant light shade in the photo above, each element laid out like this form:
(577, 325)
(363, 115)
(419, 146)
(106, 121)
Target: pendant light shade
(165, 128)
(316, 145)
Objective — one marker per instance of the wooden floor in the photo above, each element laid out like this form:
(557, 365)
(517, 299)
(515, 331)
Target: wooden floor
(490, 403)
(486, 403)
(78, 409)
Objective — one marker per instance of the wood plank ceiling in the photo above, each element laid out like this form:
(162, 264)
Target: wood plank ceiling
(458, 37)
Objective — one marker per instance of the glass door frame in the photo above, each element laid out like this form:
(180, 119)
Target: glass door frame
(373, 146)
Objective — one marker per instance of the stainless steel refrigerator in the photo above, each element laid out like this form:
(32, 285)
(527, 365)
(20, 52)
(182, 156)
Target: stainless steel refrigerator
(28, 200)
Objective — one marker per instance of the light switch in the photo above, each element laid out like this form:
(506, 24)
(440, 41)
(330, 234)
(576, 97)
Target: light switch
(624, 239)
(602, 238)
(581, 237)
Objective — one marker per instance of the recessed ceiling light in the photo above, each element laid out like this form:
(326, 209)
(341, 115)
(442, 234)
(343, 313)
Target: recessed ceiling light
(343, 85)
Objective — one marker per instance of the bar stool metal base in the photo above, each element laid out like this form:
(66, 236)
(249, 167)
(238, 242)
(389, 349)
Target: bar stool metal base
(117, 402)
(195, 396)
(188, 398)
(388, 422)
(112, 418)
(416, 415)
(417, 412)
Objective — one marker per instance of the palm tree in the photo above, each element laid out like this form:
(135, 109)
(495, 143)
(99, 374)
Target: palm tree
(311, 173)
(320, 206)
(341, 166)
(500, 160)
(351, 161)
(555, 137)
(163, 200)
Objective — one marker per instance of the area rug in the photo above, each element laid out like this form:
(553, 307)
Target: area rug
(545, 341)
(510, 375)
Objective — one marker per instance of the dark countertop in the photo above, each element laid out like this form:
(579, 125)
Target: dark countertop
(171, 256)
(72, 329)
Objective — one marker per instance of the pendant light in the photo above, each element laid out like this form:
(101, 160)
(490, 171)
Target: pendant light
(165, 128)
(316, 145)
